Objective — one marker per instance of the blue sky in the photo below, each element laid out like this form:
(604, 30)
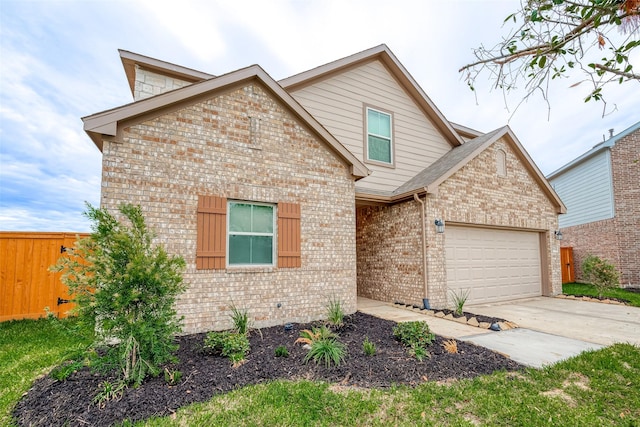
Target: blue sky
(59, 62)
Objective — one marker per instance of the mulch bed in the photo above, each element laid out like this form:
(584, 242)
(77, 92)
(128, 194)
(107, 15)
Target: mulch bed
(70, 402)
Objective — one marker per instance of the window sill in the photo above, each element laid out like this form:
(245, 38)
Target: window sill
(251, 269)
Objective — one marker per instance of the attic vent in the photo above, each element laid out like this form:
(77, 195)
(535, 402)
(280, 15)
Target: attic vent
(254, 131)
(501, 162)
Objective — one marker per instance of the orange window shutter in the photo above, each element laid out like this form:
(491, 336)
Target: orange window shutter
(288, 235)
(212, 233)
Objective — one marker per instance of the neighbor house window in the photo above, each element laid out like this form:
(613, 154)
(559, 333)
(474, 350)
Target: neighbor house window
(251, 233)
(379, 142)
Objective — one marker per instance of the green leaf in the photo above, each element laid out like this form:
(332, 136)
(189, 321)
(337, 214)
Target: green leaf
(542, 61)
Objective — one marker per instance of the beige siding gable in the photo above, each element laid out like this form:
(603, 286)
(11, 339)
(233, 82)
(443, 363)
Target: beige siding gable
(149, 83)
(339, 102)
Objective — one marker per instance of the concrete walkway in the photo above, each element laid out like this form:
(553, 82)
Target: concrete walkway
(551, 329)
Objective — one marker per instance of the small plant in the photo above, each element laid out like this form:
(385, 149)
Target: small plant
(62, 372)
(281, 351)
(240, 320)
(330, 351)
(315, 334)
(335, 313)
(109, 391)
(233, 345)
(368, 347)
(419, 353)
(415, 335)
(172, 376)
(450, 346)
(600, 273)
(459, 300)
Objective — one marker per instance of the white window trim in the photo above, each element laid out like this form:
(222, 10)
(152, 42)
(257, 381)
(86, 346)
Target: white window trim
(367, 133)
(274, 242)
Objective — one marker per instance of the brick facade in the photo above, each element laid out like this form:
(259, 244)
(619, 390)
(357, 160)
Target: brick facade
(618, 239)
(389, 238)
(211, 148)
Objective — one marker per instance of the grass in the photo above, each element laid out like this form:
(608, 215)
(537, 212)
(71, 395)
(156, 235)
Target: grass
(29, 349)
(584, 289)
(593, 389)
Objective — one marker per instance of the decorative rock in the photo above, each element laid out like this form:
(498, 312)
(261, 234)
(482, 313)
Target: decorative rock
(429, 312)
(504, 326)
(512, 325)
(606, 301)
(484, 325)
(495, 327)
(461, 319)
(473, 322)
(449, 316)
(439, 314)
(571, 297)
(561, 296)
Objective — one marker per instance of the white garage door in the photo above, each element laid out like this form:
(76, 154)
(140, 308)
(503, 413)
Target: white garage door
(494, 265)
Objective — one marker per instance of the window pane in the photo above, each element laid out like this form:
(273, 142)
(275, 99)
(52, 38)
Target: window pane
(261, 250)
(379, 149)
(239, 217)
(239, 249)
(379, 123)
(262, 219)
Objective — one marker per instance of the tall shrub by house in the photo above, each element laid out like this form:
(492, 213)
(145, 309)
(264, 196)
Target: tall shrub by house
(600, 273)
(127, 285)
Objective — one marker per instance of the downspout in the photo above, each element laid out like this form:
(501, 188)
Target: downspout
(425, 300)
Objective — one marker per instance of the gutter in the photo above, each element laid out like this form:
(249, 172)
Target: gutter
(425, 299)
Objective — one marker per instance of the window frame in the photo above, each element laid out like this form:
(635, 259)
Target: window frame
(391, 138)
(273, 235)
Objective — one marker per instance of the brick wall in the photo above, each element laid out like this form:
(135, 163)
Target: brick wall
(207, 148)
(625, 161)
(391, 269)
(616, 240)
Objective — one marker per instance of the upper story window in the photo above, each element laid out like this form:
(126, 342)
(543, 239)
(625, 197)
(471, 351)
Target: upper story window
(379, 143)
(251, 232)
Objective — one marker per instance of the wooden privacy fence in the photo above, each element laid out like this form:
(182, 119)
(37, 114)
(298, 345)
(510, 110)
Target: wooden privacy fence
(26, 284)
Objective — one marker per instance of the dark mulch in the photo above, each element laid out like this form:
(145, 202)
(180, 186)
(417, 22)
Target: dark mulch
(55, 403)
(622, 300)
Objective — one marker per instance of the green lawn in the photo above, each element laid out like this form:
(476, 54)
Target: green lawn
(30, 348)
(594, 389)
(584, 289)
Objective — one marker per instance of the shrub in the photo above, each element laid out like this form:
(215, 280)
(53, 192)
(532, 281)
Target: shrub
(600, 273)
(126, 285)
(459, 299)
(62, 372)
(233, 345)
(281, 351)
(315, 334)
(172, 377)
(450, 346)
(415, 335)
(368, 347)
(335, 313)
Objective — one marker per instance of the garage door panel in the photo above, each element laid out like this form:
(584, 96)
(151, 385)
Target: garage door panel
(493, 264)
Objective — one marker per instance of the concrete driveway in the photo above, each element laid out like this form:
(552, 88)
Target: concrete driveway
(553, 329)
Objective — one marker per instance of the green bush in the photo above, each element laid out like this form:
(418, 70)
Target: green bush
(127, 285)
(415, 335)
(233, 345)
(459, 300)
(327, 350)
(600, 273)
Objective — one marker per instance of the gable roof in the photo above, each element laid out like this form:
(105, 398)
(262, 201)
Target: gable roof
(605, 145)
(383, 54)
(106, 122)
(439, 171)
(130, 60)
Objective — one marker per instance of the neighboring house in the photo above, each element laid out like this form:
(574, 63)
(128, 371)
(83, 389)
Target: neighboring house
(284, 195)
(601, 190)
